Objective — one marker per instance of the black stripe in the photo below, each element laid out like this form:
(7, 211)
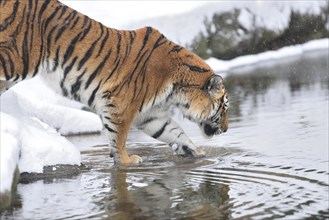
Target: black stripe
(103, 42)
(118, 46)
(56, 59)
(69, 67)
(86, 31)
(75, 22)
(137, 65)
(113, 71)
(90, 50)
(132, 35)
(70, 49)
(25, 49)
(43, 8)
(110, 120)
(76, 86)
(93, 94)
(147, 34)
(155, 96)
(98, 69)
(176, 49)
(141, 72)
(110, 129)
(110, 105)
(64, 9)
(7, 22)
(66, 24)
(158, 43)
(159, 132)
(149, 120)
(216, 114)
(46, 23)
(143, 100)
(180, 134)
(11, 64)
(3, 64)
(16, 78)
(33, 19)
(196, 68)
(85, 20)
(36, 69)
(50, 36)
(66, 71)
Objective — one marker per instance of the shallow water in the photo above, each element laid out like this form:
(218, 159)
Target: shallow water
(271, 164)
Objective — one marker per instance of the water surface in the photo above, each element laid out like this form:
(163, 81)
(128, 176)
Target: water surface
(271, 164)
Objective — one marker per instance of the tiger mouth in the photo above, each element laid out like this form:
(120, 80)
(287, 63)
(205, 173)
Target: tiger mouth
(209, 130)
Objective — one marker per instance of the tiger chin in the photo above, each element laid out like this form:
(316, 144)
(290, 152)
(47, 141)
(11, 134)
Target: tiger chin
(129, 77)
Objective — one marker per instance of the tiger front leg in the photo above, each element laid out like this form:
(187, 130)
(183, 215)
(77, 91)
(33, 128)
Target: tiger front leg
(163, 128)
(118, 132)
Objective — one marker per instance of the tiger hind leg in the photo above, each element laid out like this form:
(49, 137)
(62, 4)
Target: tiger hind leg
(163, 128)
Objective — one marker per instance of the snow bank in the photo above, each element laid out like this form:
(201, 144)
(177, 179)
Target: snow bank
(9, 151)
(32, 119)
(54, 110)
(28, 142)
(223, 66)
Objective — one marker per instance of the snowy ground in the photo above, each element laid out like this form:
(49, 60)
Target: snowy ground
(222, 66)
(34, 118)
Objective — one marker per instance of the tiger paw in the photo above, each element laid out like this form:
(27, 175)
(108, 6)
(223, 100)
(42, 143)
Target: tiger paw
(186, 151)
(135, 159)
(200, 152)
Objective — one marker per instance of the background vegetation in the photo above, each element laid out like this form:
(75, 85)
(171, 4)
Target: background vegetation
(226, 38)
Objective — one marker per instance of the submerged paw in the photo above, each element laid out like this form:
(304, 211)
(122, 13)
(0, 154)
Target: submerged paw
(135, 159)
(186, 151)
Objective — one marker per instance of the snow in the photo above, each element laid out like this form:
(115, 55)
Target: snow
(10, 156)
(54, 110)
(224, 66)
(32, 124)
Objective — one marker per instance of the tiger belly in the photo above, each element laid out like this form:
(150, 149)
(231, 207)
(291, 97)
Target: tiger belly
(72, 87)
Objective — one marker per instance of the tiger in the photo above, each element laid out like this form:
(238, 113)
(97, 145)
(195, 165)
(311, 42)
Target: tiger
(128, 77)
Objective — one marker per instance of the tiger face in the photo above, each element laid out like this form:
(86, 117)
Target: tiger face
(201, 95)
(217, 122)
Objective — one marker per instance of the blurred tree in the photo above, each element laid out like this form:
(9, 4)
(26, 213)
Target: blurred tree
(225, 37)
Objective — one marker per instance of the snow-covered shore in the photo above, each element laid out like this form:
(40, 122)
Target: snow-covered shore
(223, 66)
(33, 118)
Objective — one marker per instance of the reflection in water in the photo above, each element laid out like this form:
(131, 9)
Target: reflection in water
(271, 164)
(166, 192)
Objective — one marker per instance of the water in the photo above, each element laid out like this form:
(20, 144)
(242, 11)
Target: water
(271, 164)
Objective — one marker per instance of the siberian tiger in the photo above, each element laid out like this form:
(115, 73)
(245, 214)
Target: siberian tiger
(127, 77)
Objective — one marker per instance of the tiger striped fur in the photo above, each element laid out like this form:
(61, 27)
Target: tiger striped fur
(127, 77)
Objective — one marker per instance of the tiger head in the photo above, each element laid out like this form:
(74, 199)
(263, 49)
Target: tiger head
(202, 95)
(217, 121)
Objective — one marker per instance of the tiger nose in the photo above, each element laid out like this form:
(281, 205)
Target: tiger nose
(224, 129)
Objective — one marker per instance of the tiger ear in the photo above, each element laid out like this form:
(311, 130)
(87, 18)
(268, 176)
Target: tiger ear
(214, 86)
